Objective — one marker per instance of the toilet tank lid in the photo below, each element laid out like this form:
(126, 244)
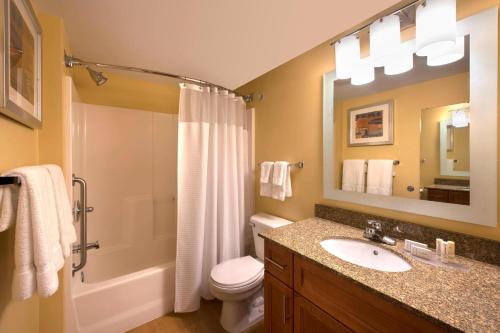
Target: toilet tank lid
(270, 221)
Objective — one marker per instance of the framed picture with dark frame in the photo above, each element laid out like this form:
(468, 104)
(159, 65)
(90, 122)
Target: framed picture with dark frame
(371, 125)
(21, 93)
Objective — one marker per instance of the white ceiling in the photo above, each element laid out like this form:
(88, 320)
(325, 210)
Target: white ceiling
(227, 42)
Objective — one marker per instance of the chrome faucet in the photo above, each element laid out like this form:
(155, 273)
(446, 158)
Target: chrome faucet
(374, 232)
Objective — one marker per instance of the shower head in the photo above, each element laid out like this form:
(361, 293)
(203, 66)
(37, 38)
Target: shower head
(98, 77)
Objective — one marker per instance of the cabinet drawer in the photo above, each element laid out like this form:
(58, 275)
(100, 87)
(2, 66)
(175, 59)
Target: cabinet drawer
(357, 308)
(279, 262)
(278, 306)
(309, 318)
(437, 195)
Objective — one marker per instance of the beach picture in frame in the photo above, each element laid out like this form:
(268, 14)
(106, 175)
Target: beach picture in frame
(22, 74)
(371, 125)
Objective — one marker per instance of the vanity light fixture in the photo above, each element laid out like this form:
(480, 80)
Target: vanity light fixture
(436, 29)
(347, 55)
(449, 55)
(363, 72)
(401, 60)
(384, 39)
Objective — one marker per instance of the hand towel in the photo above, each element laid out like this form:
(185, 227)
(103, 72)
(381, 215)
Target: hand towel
(282, 184)
(9, 195)
(266, 170)
(380, 173)
(65, 217)
(279, 172)
(353, 175)
(38, 253)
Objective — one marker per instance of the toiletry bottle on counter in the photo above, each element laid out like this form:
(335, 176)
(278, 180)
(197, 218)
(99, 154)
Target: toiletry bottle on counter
(444, 255)
(450, 250)
(439, 246)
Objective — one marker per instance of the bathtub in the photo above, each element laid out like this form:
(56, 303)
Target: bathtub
(122, 303)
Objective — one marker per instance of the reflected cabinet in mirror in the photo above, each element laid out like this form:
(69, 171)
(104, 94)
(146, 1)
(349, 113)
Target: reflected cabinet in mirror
(412, 133)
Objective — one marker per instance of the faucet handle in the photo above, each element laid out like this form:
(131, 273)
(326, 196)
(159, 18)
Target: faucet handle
(375, 224)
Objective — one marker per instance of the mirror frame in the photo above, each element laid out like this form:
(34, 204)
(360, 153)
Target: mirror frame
(483, 85)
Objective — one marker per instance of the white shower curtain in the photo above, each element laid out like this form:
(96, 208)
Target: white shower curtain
(214, 187)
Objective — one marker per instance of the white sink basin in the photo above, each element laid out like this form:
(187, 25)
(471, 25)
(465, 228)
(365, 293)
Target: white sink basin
(366, 255)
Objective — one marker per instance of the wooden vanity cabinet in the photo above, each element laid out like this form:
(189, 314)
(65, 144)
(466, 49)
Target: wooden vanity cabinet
(278, 289)
(278, 305)
(306, 297)
(450, 196)
(309, 318)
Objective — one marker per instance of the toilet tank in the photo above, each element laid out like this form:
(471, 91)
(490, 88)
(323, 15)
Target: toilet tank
(260, 223)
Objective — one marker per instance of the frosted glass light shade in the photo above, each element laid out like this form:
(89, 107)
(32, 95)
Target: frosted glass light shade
(384, 39)
(459, 118)
(347, 54)
(363, 72)
(401, 60)
(436, 26)
(449, 55)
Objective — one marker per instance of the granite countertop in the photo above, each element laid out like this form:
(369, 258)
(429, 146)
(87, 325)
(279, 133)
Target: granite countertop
(465, 300)
(449, 187)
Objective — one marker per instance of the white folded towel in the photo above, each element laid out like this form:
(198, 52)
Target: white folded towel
(266, 170)
(282, 183)
(353, 175)
(38, 253)
(380, 173)
(65, 217)
(9, 195)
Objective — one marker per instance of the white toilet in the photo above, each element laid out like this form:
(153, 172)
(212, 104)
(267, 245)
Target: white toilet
(238, 282)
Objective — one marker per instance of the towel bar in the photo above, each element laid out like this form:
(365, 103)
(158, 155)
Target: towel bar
(7, 180)
(395, 162)
(299, 165)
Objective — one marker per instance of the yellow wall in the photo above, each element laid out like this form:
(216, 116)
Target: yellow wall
(408, 104)
(289, 127)
(127, 92)
(23, 146)
(460, 151)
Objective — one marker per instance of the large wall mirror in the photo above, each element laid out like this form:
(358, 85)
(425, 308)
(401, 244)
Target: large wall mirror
(424, 141)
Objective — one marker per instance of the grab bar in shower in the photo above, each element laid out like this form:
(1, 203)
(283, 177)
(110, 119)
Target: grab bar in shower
(81, 214)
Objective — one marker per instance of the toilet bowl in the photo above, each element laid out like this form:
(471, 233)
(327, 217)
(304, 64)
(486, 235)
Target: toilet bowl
(238, 282)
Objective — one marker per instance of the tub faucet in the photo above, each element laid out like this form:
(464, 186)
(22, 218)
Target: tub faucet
(374, 232)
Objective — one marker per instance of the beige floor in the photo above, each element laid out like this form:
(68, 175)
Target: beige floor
(205, 320)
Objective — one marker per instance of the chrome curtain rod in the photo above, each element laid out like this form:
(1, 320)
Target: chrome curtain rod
(71, 61)
(377, 17)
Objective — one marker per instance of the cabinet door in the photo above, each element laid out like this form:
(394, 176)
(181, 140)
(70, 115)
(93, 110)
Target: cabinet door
(460, 197)
(309, 318)
(278, 306)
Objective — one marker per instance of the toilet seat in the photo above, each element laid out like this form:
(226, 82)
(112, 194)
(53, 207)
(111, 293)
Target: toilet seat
(237, 275)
